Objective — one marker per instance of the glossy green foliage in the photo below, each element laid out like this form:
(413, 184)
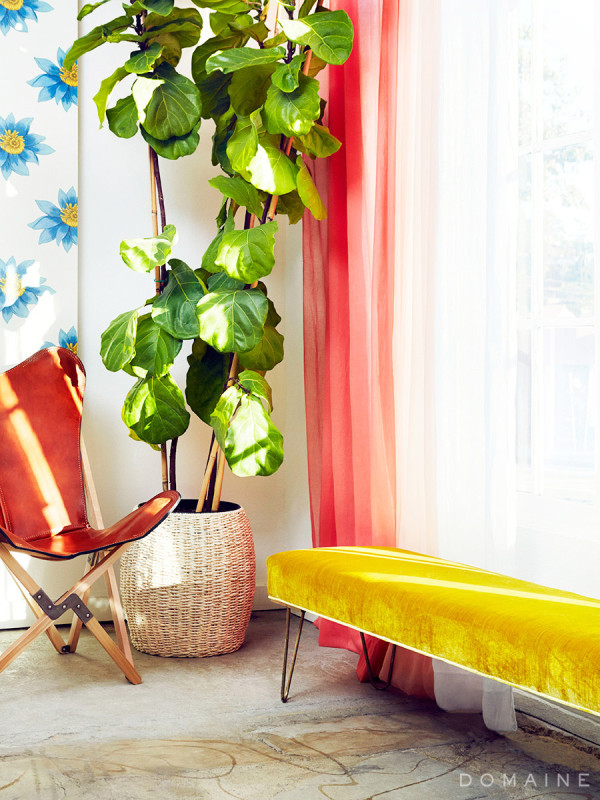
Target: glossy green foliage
(247, 255)
(232, 320)
(259, 95)
(142, 255)
(175, 309)
(205, 380)
(155, 409)
(329, 34)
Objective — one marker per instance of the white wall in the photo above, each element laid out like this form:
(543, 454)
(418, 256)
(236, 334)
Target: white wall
(114, 204)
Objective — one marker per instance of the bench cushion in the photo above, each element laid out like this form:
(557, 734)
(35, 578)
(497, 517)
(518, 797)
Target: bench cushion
(543, 640)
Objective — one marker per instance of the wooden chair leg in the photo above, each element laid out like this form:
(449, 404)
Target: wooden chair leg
(77, 624)
(24, 581)
(113, 651)
(79, 589)
(118, 616)
(30, 635)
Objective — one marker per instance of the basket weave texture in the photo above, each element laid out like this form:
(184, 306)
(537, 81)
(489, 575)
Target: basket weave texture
(188, 586)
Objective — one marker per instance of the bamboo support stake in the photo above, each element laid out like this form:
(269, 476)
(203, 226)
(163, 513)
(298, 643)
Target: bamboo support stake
(157, 281)
(207, 475)
(219, 481)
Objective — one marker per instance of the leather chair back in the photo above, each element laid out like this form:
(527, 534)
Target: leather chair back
(41, 480)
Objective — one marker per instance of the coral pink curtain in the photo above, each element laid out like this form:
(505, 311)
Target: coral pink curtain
(353, 282)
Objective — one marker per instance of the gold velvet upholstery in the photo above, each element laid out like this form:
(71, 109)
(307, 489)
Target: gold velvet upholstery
(543, 640)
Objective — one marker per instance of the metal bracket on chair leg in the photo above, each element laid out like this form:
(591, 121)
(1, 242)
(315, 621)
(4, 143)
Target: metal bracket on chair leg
(377, 683)
(285, 686)
(73, 602)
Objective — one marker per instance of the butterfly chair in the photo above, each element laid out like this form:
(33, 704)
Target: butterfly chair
(43, 506)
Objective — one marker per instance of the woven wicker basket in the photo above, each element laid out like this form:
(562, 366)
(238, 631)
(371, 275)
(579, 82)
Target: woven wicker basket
(188, 586)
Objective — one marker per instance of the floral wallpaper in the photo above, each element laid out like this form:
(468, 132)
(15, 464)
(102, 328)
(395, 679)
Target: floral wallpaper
(38, 178)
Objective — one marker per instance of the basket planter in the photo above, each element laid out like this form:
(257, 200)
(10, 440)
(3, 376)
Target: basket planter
(188, 586)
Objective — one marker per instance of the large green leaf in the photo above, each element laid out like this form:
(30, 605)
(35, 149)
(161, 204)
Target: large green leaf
(123, 117)
(247, 255)
(253, 445)
(155, 409)
(205, 381)
(267, 353)
(232, 320)
(221, 280)
(240, 57)
(271, 170)
(291, 205)
(285, 76)
(224, 410)
(142, 60)
(89, 7)
(329, 34)
(210, 256)
(142, 255)
(256, 384)
(224, 127)
(185, 24)
(243, 144)
(176, 146)
(224, 6)
(168, 105)
(96, 37)
(161, 7)
(318, 142)
(214, 94)
(175, 309)
(104, 92)
(210, 46)
(292, 113)
(241, 191)
(249, 86)
(117, 341)
(308, 191)
(155, 349)
(171, 48)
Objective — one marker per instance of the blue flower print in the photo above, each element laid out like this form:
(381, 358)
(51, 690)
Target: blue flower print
(18, 146)
(15, 13)
(16, 291)
(59, 223)
(68, 340)
(56, 82)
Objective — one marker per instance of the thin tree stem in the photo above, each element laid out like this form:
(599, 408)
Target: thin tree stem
(158, 287)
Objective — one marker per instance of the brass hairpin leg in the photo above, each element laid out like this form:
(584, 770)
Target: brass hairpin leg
(377, 683)
(285, 687)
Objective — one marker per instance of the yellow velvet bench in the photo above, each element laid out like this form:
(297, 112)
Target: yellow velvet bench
(542, 640)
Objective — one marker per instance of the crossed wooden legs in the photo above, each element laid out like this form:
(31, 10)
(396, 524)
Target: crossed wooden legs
(76, 599)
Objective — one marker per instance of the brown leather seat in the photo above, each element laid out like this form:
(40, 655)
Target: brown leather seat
(42, 498)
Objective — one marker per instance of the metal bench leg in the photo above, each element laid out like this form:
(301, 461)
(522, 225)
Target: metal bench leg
(377, 683)
(285, 687)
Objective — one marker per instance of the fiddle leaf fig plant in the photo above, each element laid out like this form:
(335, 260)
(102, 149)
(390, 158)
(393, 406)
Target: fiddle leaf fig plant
(254, 78)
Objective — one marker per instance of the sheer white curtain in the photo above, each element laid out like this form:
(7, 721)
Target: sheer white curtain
(475, 323)
(457, 173)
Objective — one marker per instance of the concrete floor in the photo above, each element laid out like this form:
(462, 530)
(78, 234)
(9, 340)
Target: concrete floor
(72, 727)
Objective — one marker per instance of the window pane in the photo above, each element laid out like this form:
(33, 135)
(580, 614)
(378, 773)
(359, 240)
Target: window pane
(568, 231)
(525, 84)
(524, 238)
(569, 413)
(568, 66)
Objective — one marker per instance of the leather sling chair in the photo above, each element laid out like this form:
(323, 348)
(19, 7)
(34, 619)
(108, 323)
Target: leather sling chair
(43, 506)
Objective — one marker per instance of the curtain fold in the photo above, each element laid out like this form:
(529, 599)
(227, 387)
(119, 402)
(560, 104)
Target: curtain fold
(406, 311)
(351, 264)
